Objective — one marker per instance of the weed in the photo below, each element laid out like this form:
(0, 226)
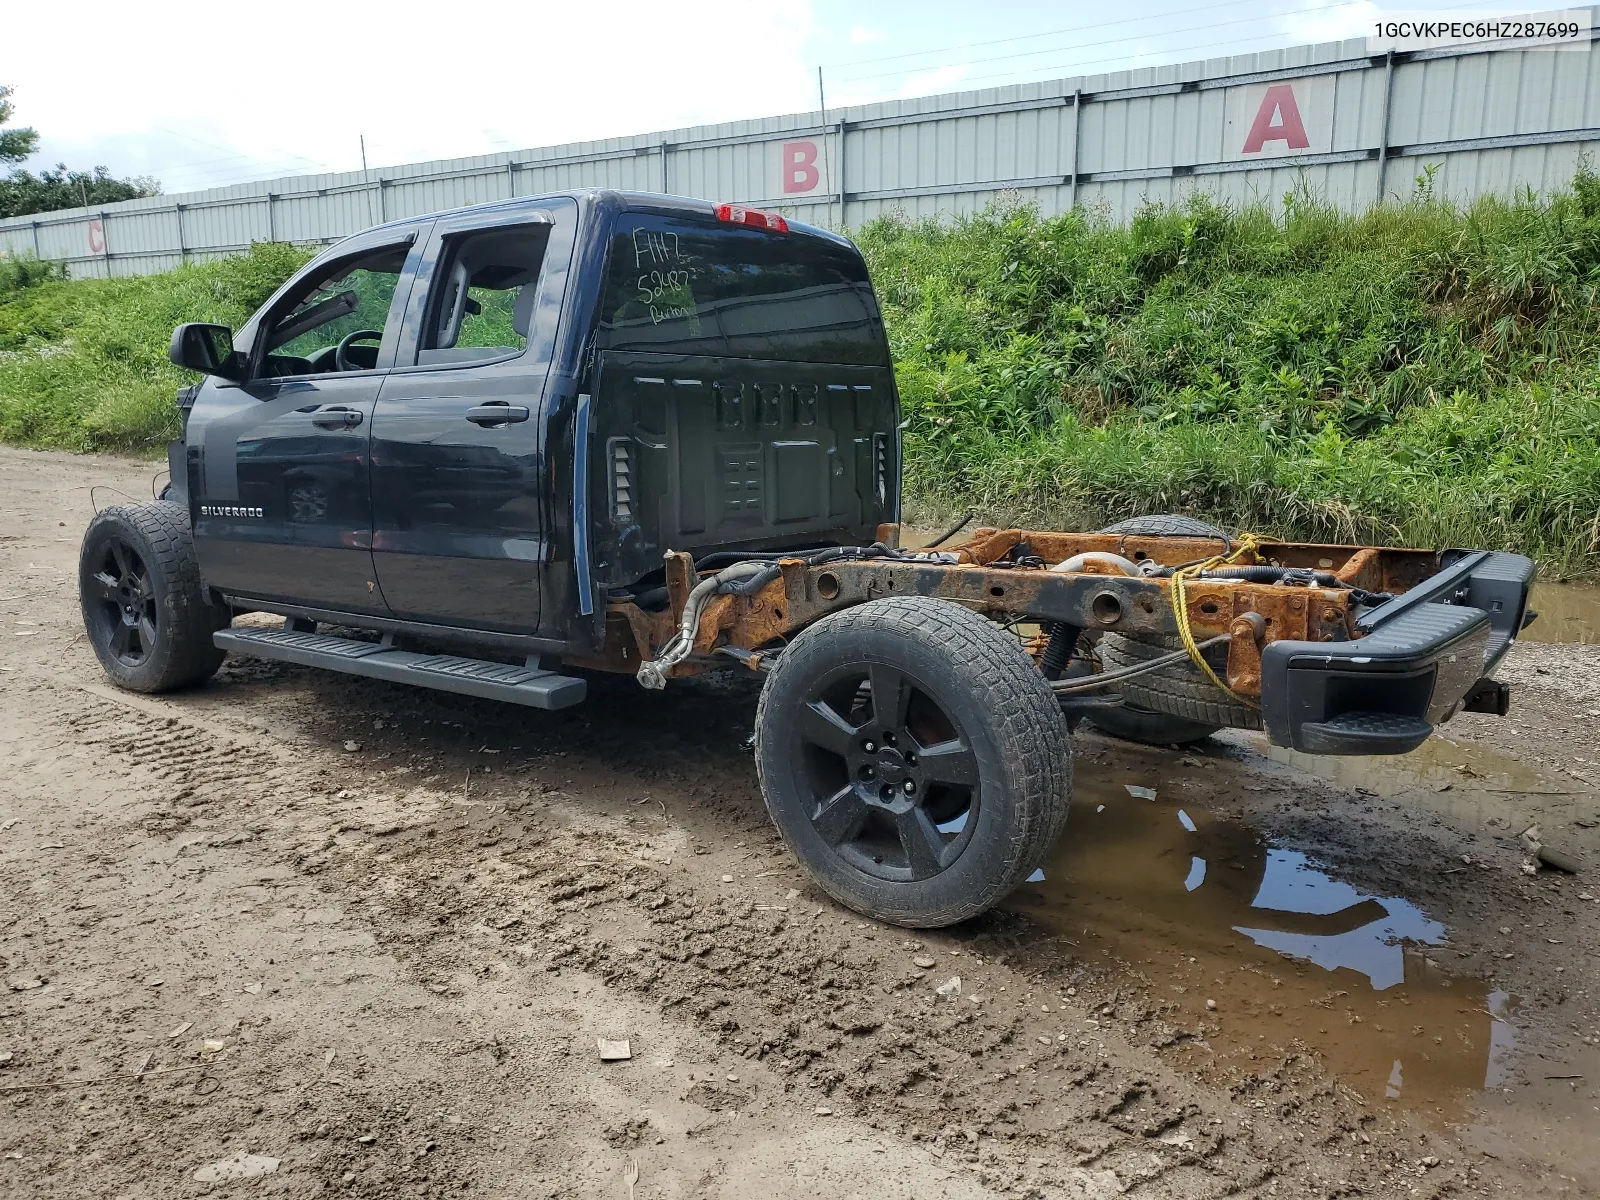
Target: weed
(83, 363)
(1417, 372)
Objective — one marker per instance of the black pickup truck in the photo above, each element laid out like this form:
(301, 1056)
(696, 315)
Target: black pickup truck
(487, 450)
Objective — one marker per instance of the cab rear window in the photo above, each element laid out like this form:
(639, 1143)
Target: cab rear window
(692, 287)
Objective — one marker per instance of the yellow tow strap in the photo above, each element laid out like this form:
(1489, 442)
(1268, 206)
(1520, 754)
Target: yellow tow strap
(1247, 543)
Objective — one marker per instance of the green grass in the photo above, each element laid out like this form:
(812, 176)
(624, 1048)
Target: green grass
(1417, 373)
(83, 364)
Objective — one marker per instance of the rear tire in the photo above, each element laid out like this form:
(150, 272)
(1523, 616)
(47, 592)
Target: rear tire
(144, 609)
(927, 804)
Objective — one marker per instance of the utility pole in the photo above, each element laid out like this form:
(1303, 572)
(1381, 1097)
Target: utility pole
(366, 178)
(822, 113)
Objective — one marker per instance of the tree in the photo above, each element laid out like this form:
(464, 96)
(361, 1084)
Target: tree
(15, 144)
(22, 192)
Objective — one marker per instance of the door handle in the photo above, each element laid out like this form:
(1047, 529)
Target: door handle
(337, 418)
(497, 413)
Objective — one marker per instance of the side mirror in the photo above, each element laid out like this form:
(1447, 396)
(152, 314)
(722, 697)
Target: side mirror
(207, 349)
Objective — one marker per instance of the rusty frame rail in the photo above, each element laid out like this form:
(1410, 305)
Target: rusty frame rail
(1094, 599)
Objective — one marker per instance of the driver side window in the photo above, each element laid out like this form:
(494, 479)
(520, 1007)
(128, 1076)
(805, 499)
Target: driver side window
(331, 309)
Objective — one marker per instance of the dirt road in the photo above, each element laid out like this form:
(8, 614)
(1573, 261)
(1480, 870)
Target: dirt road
(364, 940)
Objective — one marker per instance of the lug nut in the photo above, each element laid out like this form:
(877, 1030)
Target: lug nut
(910, 788)
(870, 748)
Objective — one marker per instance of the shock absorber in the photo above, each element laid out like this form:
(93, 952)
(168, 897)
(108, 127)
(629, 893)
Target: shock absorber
(1058, 650)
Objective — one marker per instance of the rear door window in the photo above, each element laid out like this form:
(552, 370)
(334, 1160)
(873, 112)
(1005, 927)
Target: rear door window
(706, 287)
(483, 295)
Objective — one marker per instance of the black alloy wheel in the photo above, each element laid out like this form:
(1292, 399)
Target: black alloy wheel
(913, 759)
(891, 783)
(124, 599)
(145, 610)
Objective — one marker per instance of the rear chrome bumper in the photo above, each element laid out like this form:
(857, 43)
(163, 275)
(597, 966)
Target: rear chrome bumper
(1425, 655)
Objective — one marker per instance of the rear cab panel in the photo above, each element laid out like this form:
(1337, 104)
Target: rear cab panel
(743, 397)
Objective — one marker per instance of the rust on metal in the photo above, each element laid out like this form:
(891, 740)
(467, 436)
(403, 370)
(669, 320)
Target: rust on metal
(1359, 567)
(1248, 630)
(680, 582)
(997, 574)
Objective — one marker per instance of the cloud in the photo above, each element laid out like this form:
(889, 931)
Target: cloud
(927, 83)
(211, 94)
(860, 35)
(1332, 24)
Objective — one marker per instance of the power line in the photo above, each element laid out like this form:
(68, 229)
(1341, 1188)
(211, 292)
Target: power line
(1323, 8)
(1045, 33)
(1143, 18)
(1077, 65)
(1209, 25)
(218, 168)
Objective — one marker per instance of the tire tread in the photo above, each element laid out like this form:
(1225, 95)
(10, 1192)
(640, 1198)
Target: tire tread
(191, 618)
(1180, 690)
(1004, 680)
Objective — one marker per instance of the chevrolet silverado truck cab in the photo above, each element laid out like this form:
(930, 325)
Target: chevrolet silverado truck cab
(488, 451)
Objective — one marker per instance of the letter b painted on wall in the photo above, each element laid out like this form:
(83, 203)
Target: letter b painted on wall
(802, 168)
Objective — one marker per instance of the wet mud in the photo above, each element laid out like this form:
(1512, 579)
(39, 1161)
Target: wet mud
(1269, 952)
(1568, 612)
(408, 916)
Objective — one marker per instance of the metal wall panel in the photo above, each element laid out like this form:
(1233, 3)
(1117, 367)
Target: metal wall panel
(1494, 121)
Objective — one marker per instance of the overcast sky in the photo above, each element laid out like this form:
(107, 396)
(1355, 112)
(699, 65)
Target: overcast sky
(205, 94)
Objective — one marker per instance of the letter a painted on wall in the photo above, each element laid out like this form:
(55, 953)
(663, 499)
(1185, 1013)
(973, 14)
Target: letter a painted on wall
(1284, 118)
(1277, 120)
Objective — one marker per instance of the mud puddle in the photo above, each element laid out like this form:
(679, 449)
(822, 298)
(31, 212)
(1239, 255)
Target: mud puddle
(1264, 953)
(1568, 612)
(1465, 781)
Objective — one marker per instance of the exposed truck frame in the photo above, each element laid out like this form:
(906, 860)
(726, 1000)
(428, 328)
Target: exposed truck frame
(1306, 656)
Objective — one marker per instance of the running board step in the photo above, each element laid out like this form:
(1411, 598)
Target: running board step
(528, 685)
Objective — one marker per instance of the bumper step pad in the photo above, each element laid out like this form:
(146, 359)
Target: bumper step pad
(1365, 733)
(527, 685)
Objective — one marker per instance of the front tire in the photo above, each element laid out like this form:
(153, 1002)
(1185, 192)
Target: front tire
(144, 609)
(914, 759)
